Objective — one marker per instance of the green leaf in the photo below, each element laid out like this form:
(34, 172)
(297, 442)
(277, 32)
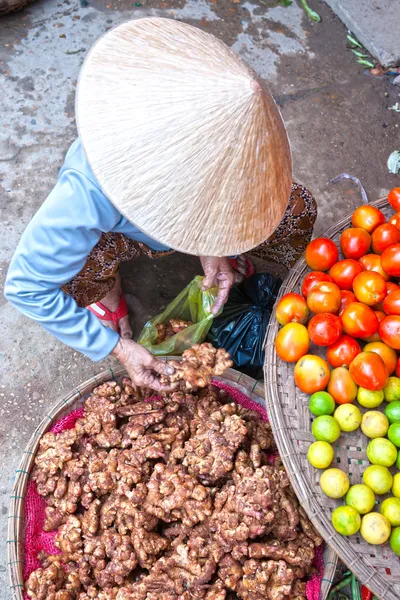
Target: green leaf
(367, 63)
(286, 2)
(353, 41)
(393, 162)
(358, 53)
(309, 12)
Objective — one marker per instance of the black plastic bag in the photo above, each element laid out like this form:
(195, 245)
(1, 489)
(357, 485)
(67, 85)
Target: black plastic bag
(241, 327)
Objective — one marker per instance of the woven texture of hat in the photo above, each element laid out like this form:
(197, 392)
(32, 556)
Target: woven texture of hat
(183, 137)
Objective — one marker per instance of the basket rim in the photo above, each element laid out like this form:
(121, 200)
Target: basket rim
(16, 515)
(360, 566)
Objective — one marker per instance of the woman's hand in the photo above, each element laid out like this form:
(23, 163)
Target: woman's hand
(143, 368)
(218, 272)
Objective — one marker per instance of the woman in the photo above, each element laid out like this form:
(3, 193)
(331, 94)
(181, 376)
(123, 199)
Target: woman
(180, 147)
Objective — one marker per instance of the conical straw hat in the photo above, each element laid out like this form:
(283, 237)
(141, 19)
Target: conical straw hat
(183, 138)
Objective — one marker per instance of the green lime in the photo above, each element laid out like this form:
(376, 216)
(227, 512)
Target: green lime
(392, 389)
(374, 424)
(348, 416)
(396, 485)
(321, 403)
(378, 478)
(320, 455)
(346, 520)
(392, 411)
(381, 451)
(390, 508)
(375, 528)
(334, 483)
(370, 399)
(394, 434)
(398, 460)
(361, 497)
(325, 429)
(395, 540)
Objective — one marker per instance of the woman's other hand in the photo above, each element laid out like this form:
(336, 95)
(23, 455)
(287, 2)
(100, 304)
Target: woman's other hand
(218, 272)
(143, 368)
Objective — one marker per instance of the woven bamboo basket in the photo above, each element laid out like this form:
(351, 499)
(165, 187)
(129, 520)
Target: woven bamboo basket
(71, 401)
(377, 567)
(8, 6)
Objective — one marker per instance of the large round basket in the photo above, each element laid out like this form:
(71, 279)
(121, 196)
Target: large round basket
(377, 567)
(8, 6)
(71, 401)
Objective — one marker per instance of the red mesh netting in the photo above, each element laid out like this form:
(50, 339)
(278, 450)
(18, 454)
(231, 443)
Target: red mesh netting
(36, 540)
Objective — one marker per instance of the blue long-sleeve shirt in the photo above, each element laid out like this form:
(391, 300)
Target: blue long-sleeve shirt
(54, 248)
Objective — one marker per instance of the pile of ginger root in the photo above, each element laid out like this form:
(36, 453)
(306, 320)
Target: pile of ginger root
(180, 497)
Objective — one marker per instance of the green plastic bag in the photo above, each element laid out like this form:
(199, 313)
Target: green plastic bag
(192, 304)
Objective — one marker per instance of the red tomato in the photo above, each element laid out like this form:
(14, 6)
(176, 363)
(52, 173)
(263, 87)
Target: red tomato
(369, 288)
(359, 320)
(383, 237)
(394, 198)
(369, 371)
(391, 287)
(375, 338)
(311, 279)
(388, 355)
(391, 260)
(321, 254)
(355, 242)
(367, 217)
(391, 304)
(372, 262)
(397, 372)
(311, 374)
(389, 331)
(346, 298)
(343, 352)
(292, 342)
(292, 308)
(324, 297)
(344, 272)
(395, 220)
(324, 329)
(341, 386)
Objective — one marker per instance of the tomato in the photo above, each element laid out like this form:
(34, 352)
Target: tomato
(341, 386)
(311, 374)
(369, 371)
(383, 237)
(391, 304)
(324, 297)
(395, 220)
(367, 217)
(394, 198)
(321, 254)
(369, 288)
(355, 242)
(311, 279)
(344, 271)
(359, 320)
(391, 260)
(324, 329)
(391, 287)
(375, 338)
(389, 331)
(292, 342)
(388, 355)
(397, 372)
(292, 308)
(343, 352)
(346, 298)
(372, 262)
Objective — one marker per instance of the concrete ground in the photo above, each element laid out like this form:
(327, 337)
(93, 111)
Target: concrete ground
(337, 116)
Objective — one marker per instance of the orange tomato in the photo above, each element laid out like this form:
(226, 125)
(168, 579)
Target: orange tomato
(367, 217)
(359, 320)
(321, 254)
(391, 304)
(292, 308)
(389, 331)
(324, 329)
(394, 198)
(292, 342)
(311, 374)
(324, 297)
(372, 262)
(383, 237)
(387, 354)
(395, 220)
(369, 371)
(355, 242)
(369, 287)
(343, 352)
(311, 279)
(375, 337)
(391, 260)
(344, 271)
(341, 386)
(346, 298)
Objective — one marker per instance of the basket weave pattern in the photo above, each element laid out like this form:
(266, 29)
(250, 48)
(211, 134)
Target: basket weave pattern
(8, 6)
(247, 385)
(377, 567)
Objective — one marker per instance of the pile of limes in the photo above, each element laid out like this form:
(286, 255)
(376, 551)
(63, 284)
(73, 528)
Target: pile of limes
(358, 513)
